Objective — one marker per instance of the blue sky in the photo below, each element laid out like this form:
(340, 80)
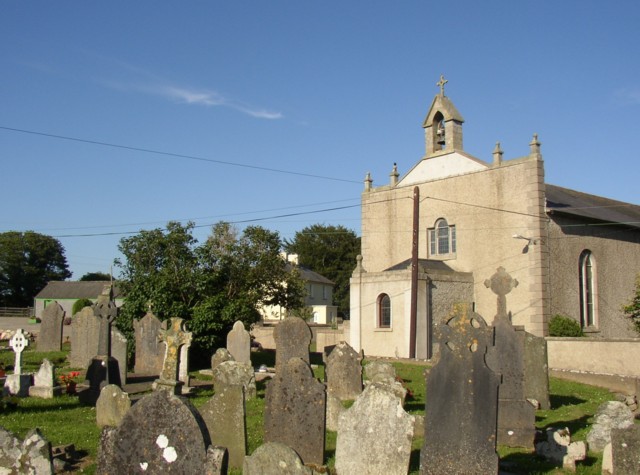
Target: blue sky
(285, 106)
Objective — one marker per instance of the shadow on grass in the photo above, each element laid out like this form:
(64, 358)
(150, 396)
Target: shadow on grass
(557, 401)
(574, 425)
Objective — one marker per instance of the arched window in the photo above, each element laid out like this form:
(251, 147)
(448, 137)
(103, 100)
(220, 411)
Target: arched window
(438, 127)
(588, 302)
(384, 311)
(442, 238)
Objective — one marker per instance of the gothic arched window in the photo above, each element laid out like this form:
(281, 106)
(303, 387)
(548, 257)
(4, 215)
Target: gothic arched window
(384, 311)
(587, 280)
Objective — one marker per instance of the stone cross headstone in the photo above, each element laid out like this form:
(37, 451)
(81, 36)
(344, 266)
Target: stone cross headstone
(50, 336)
(463, 397)
(85, 332)
(18, 343)
(149, 351)
(516, 415)
(45, 385)
(239, 343)
(175, 336)
(112, 405)
(374, 435)
(275, 458)
(224, 415)
(293, 337)
(294, 412)
(161, 433)
(106, 311)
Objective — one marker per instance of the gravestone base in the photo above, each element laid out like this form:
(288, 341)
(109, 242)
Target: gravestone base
(516, 423)
(102, 371)
(17, 385)
(45, 392)
(173, 386)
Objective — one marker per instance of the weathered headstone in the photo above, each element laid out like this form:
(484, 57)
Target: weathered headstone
(625, 450)
(31, 455)
(343, 372)
(383, 373)
(111, 406)
(17, 384)
(161, 433)
(149, 351)
(220, 356)
(463, 397)
(374, 435)
(536, 370)
(516, 415)
(239, 343)
(175, 337)
(85, 331)
(293, 337)
(294, 412)
(224, 415)
(119, 352)
(50, 336)
(233, 373)
(274, 458)
(610, 415)
(44, 382)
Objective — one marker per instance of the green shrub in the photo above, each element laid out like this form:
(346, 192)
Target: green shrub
(80, 304)
(564, 326)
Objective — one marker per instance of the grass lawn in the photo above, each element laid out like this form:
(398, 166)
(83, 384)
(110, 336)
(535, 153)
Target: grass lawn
(63, 420)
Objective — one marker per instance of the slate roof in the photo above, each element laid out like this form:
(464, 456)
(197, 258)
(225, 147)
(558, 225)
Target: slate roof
(425, 264)
(309, 275)
(75, 290)
(575, 203)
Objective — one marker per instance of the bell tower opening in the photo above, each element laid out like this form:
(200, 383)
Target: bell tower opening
(439, 139)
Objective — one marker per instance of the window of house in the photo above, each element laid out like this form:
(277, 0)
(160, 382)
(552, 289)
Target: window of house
(325, 292)
(587, 277)
(442, 238)
(311, 291)
(384, 311)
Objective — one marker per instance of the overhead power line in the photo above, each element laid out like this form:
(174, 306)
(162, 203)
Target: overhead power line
(176, 155)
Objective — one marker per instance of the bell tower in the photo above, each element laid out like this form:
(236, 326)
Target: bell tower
(443, 125)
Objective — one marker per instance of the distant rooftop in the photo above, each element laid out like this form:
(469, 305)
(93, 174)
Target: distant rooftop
(76, 290)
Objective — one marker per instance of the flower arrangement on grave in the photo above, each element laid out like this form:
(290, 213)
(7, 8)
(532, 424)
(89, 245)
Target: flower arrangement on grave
(68, 381)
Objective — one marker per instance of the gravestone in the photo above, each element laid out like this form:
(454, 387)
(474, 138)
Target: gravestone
(45, 385)
(149, 351)
(343, 372)
(625, 450)
(31, 455)
(536, 370)
(220, 356)
(274, 458)
(224, 415)
(239, 343)
(516, 415)
(161, 433)
(294, 412)
(462, 395)
(50, 336)
(610, 415)
(85, 331)
(374, 435)
(17, 384)
(119, 352)
(175, 337)
(293, 337)
(383, 373)
(112, 405)
(233, 373)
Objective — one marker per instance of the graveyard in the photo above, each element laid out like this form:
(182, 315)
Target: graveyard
(64, 420)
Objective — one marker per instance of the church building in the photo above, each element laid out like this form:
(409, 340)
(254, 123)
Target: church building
(435, 236)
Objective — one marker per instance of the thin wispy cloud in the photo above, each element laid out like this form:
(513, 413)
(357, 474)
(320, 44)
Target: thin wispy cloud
(627, 96)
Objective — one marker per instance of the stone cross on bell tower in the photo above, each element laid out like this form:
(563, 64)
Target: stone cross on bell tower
(501, 283)
(441, 83)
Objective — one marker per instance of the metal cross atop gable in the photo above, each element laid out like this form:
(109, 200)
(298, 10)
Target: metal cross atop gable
(18, 343)
(441, 83)
(501, 283)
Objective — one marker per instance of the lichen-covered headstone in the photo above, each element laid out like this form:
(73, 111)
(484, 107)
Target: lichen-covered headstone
(45, 385)
(224, 415)
(234, 373)
(239, 343)
(274, 458)
(462, 395)
(149, 350)
(536, 370)
(374, 435)
(294, 412)
(383, 373)
(293, 337)
(161, 433)
(85, 332)
(50, 336)
(31, 455)
(111, 406)
(343, 372)
(175, 336)
(625, 450)
(220, 356)
(610, 415)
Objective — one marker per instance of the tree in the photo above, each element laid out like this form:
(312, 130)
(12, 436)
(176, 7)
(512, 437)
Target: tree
(227, 278)
(28, 260)
(330, 251)
(632, 310)
(95, 276)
